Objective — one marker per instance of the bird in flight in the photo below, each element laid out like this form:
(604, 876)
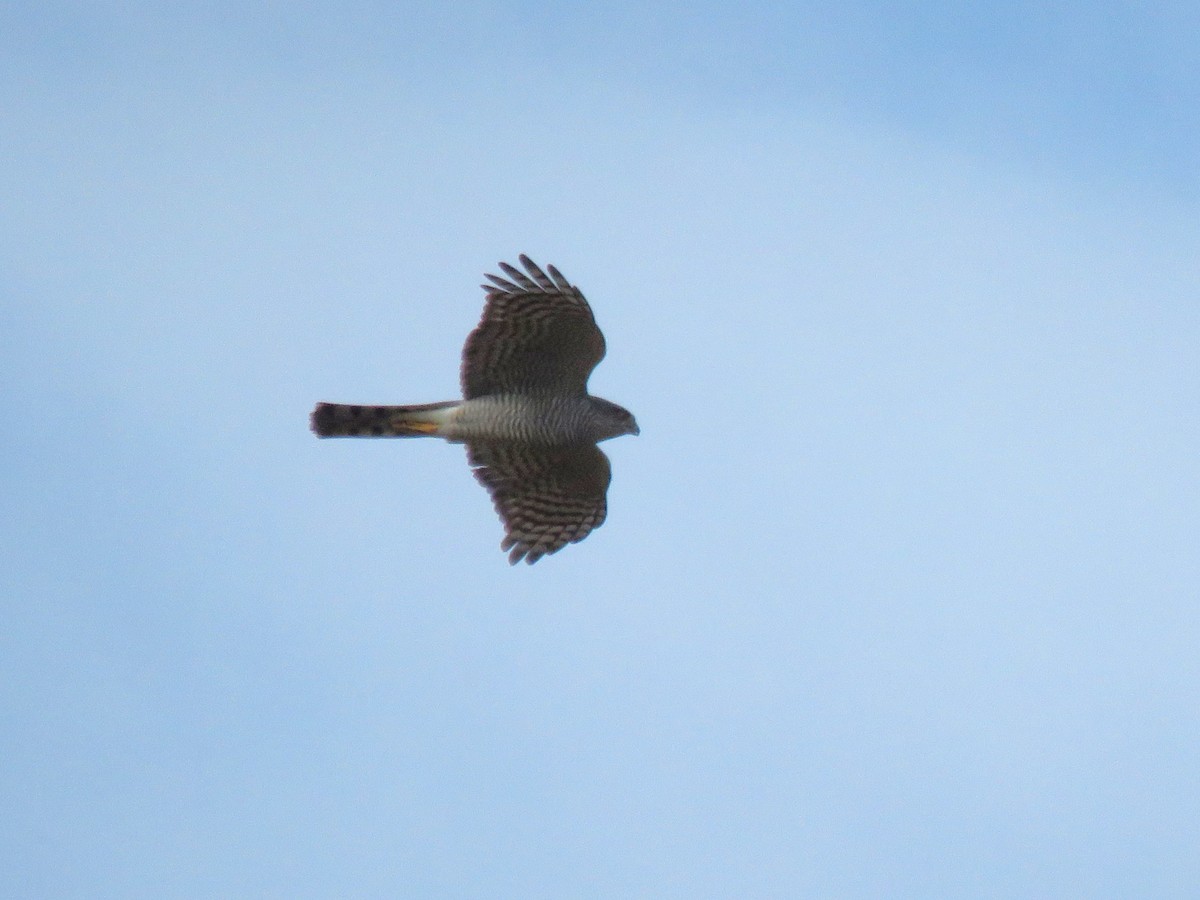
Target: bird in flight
(530, 426)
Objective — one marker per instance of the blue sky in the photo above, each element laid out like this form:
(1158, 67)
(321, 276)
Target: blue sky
(898, 591)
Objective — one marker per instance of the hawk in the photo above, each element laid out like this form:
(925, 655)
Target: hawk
(530, 426)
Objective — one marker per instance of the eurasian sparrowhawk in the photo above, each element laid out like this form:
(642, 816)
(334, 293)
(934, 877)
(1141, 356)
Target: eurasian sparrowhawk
(529, 424)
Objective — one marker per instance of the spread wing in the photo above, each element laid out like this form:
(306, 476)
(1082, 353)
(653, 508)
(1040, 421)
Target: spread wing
(537, 336)
(547, 496)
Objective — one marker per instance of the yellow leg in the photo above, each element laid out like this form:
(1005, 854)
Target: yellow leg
(419, 427)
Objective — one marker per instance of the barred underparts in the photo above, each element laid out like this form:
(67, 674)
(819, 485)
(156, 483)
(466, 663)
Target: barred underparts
(530, 426)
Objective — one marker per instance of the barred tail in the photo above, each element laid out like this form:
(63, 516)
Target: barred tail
(346, 420)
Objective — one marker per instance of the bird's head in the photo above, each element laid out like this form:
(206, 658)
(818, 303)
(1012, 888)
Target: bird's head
(615, 420)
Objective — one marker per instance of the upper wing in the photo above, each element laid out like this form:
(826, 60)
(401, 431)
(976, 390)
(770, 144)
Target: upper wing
(547, 497)
(537, 336)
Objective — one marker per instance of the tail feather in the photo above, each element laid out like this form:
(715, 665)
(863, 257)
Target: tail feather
(348, 420)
